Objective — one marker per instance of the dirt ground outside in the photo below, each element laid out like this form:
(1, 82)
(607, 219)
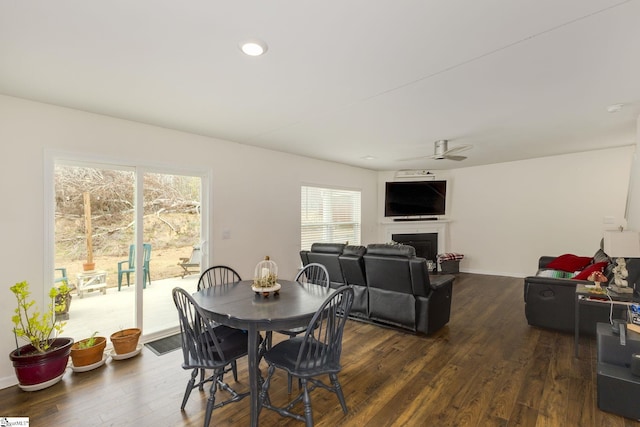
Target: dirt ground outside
(163, 264)
(171, 235)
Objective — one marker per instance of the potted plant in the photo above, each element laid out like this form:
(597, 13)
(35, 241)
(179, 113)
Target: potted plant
(63, 301)
(125, 340)
(43, 361)
(88, 351)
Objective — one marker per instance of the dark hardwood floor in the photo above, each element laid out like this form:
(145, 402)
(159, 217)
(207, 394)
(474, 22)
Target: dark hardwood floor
(487, 367)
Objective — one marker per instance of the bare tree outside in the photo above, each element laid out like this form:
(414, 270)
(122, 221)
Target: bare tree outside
(171, 218)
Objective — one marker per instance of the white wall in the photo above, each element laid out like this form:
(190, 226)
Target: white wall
(255, 192)
(633, 206)
(505, 216)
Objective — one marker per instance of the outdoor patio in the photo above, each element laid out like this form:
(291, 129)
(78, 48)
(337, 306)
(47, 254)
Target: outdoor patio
(115, 310)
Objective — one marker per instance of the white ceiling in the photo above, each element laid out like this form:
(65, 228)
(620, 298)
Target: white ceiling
(342, 79)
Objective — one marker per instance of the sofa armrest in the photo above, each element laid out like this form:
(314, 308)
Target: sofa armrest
(438, 281)
(545, 260)
(420, 279)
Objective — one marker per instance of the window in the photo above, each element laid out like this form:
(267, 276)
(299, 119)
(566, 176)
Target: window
(329, 215)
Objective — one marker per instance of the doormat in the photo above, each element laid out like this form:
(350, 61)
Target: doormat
(165, 345)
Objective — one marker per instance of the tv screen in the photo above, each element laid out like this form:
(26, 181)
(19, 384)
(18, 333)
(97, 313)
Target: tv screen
(415, 198)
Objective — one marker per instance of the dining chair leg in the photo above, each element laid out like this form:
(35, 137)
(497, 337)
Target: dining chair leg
(187, 392)
(263, 399)
(234, 369)
(338, 390)
(290, 383)
(308, 415)
(211, 401)
(202, 373)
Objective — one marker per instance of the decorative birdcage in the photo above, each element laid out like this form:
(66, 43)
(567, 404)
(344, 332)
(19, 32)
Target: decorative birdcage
(266, 274)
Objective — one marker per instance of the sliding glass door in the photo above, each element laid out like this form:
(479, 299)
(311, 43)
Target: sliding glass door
(102, 214)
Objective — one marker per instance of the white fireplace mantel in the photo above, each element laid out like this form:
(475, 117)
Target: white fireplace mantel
(409, 227)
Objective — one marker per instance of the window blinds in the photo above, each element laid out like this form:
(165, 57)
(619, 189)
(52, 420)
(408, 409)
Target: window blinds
(329, 216)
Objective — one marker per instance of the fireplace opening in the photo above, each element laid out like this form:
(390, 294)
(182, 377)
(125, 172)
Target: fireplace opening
(425, 244)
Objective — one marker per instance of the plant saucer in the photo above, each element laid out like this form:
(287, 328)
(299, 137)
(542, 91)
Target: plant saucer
(90, 367)
(129, 355)
(40, 386)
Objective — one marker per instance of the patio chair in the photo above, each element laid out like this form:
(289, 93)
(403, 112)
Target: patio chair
(191, 265)
(128, 266)
(63, 276)
(315, 354)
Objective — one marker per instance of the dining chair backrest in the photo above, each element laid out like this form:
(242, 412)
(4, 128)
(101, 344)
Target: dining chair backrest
(200, 346)
(322, 342)
(217, 275)
(313, 273)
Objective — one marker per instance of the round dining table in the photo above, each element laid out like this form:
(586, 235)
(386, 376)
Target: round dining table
(238, 306)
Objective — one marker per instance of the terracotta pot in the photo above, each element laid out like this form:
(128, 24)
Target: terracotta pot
(90, 355)
(33, 368)
(126, 340)
(89, 266)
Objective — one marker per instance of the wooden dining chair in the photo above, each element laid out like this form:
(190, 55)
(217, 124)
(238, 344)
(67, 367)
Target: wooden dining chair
(205, 346)
(309, 356)
(311, 273)
(217, 275)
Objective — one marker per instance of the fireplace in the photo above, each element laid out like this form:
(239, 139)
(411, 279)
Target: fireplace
(425, 244)
(436, 232)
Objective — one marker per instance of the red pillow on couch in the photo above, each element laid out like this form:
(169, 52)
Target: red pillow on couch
(584, 274)
(569, 262)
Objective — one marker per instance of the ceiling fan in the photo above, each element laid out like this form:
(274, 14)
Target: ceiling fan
(441, 151)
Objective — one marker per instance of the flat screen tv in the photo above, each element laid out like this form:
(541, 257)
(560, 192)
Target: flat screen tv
(415, 198)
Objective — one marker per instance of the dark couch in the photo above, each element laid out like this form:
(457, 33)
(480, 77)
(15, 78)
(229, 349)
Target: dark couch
(392, 286)
(550, 302)
(327, 255)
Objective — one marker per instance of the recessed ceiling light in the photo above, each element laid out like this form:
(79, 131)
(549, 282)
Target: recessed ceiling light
(253, 47)
(368, 157)
(614, 108)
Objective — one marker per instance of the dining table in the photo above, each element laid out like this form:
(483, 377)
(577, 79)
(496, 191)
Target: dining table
(236, 305)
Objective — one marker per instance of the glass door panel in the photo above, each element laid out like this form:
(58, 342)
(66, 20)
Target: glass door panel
(93, 228)
(172, 228)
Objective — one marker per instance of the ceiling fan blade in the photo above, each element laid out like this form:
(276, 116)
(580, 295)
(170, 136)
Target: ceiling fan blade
(415, 158)
(458, 149)
(441, 151)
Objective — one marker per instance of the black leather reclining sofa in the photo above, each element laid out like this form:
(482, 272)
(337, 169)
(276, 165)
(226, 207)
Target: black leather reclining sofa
(550, 302)
(392, 286)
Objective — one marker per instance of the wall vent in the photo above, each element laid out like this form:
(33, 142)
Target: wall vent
(414, 173)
